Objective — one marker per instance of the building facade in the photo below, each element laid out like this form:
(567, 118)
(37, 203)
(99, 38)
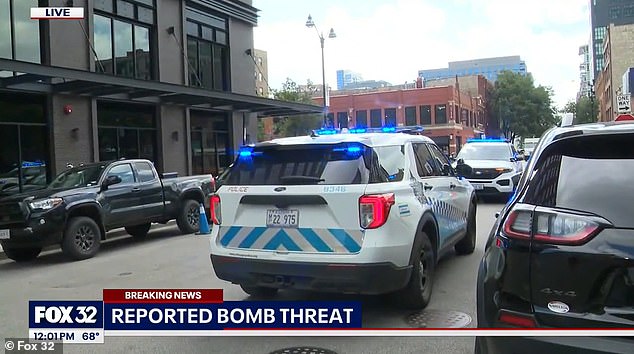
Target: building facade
(585, 72)
(618, 46)
(347, 77)
(165, 80)
(447, 115)
(490, 68)
(260, 58)
(602, 14)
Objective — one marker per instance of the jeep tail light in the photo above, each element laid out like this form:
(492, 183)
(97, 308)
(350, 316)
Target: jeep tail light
(516, 319)
(552, 226)
(374, 210)
(215, 209)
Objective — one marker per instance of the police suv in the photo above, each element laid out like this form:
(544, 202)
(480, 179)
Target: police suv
(341, 211)
(495, 165)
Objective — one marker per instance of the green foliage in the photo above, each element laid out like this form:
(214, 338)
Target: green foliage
(522, 108)
(300, 124)
(586, 110)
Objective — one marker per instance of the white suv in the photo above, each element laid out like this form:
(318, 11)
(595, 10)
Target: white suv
(496, 166)
(359, 212)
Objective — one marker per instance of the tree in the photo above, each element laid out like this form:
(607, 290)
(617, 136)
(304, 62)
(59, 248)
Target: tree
(300, 124)
(585, 110)
(521, 108)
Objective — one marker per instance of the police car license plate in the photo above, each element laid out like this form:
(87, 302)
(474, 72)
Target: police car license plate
(478, 186)
(4, 234)
(282, 218)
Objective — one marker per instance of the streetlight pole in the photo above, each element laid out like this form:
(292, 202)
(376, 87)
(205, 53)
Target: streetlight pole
(310, 23)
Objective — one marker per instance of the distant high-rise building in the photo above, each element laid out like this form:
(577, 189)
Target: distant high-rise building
(602, 14)
(487, 67)
(261, 72)
(585, 72)
(347, 77)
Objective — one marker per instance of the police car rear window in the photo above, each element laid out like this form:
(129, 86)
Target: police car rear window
(316, 164)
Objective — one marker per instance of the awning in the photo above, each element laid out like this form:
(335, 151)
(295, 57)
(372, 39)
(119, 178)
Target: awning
(57, 80)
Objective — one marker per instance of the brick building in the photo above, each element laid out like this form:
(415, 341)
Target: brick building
(449, 118)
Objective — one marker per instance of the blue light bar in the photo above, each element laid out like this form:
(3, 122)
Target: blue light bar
(354, 149)
(388, 129)
(327, 131)
(357, 130)
(487, 140)
(246, 153)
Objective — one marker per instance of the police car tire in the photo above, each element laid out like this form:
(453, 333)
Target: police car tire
(22, 254)
(259, 291)
(138, 231)
(467, 244)
(415, 295)
(76, 226)
(182, 221)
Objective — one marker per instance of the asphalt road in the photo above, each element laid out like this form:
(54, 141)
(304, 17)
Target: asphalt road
(169, 260)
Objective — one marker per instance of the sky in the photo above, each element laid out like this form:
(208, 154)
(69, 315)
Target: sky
(392, 39)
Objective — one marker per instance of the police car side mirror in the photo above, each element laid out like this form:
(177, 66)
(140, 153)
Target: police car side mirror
(463, 170)
(513, 159)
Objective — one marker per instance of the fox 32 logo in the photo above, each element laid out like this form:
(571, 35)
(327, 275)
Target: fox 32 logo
(65, 314)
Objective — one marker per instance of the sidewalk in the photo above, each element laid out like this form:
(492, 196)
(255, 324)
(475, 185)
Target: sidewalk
(113, 234)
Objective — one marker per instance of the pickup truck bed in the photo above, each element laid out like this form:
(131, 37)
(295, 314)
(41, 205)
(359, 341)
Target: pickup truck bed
(83, 203)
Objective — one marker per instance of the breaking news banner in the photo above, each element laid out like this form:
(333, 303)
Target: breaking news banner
(148, 311)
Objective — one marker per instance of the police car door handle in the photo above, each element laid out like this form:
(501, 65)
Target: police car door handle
(428, 187)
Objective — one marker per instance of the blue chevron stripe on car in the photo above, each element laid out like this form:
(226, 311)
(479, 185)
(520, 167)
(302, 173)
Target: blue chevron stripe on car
(335, 241)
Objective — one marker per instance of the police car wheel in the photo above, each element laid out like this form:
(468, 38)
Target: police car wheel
(82, 238)
(22, 254)
(417, 293)
(259, 291)
(188, 217)
(467, 244)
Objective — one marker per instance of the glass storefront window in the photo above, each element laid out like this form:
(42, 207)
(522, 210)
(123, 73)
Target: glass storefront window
(126, 131)
(211, 145)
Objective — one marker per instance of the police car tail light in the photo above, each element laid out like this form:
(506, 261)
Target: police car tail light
(215, 209)
(551, 227)
(374, 210)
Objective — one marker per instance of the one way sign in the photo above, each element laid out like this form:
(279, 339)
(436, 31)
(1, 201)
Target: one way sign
(623, 103)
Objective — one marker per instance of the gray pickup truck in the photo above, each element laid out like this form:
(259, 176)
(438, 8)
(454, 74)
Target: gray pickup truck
(83, 203)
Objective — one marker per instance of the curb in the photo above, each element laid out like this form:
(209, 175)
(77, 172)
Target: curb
(112, 234)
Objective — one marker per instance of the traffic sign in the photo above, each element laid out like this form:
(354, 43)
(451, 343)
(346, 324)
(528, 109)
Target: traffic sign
(623, 104)
(623, 117)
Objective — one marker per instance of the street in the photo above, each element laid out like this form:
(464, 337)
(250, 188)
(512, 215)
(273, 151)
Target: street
(167, 259)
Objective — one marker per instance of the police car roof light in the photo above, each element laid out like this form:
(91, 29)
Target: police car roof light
(487, 140)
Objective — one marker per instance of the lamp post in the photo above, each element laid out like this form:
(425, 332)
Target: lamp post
(310, 23)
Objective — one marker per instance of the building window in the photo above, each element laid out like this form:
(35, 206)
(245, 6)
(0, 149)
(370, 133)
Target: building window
(615, 12)
(390, 117)
(628, 11)
(259, 76)
(375, 118)
(342, 119)
(362, 119)
(261, 91)
(19, 35)
(126, 131)
(330, 120)
(410, 116)
(425, 115)
(211, 145)
(207, 50)
(123, 40)
(441, 114)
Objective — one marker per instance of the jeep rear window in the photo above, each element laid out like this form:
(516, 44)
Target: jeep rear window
(591, 174)
(317, 164)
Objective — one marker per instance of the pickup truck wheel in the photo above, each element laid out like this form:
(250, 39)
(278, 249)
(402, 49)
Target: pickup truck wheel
(82, 238)
(468, 243)
(259, 291)
(138, 231)
(417, 293)
(22, 254)
(188, 217)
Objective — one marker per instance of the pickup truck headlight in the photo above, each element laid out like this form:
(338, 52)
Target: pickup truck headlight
(504, 170)
(45, 204)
